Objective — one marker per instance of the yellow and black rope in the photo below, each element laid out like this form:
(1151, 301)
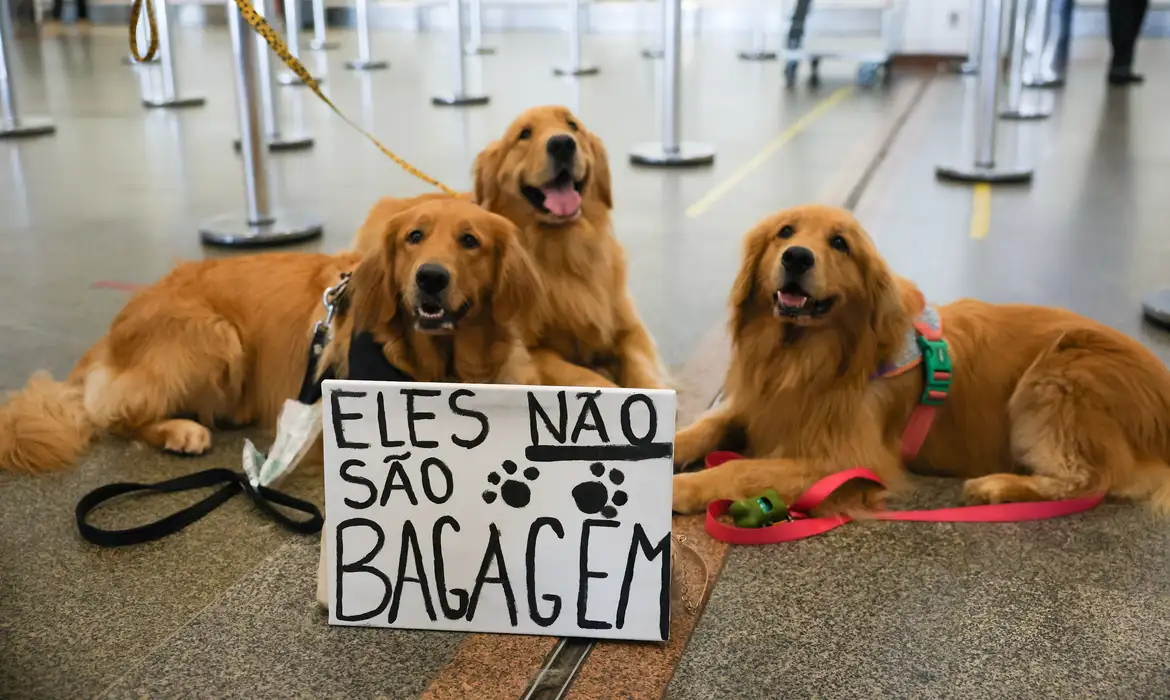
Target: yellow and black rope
(264, 29)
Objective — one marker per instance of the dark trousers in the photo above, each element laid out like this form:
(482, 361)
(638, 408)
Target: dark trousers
(1125, 23)
(82, 9)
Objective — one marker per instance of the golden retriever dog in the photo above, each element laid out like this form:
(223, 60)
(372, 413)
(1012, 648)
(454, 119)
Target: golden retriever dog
(228, 340)
(549, 175)
(1044, 404)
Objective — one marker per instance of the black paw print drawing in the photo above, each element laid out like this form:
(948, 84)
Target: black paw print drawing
(593, 497)
(514, 492)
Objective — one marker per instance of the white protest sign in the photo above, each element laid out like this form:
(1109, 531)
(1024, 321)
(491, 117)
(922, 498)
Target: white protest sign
(488, 508)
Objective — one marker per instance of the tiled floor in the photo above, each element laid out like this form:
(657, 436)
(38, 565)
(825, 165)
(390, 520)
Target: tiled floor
(225, 608)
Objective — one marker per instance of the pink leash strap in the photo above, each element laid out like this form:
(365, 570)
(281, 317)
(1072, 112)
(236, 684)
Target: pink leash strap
(804, 525)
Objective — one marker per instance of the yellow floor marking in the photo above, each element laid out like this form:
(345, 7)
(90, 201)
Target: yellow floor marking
(716, 193)
(980, 211)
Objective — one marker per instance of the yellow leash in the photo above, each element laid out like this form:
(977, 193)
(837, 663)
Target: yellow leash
(277, 44)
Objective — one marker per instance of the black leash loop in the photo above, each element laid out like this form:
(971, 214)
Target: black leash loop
(234, 482)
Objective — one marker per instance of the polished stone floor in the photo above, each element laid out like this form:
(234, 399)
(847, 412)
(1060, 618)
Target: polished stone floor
(1062, 609)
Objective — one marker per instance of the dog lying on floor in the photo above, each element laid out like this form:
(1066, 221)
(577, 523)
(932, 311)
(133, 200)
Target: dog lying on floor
(1043, 405)
(443, 292)
(550, 176)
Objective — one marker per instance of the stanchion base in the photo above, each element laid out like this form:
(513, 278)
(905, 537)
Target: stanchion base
(129, 61)
(25, 127)
(160, 103)
(479, 51)
(358, 64)
(687, 154)
(284, 228)
(978, 173)
(323, 45)
(579, 70)
(291, 79)
(653, 53)
(757, 55)
(284, 142)
(1156, 308)
(1046, 84)
(1025, 113)
(460, 100)
(967, 68)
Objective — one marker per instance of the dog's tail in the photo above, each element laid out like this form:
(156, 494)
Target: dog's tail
(44, 426)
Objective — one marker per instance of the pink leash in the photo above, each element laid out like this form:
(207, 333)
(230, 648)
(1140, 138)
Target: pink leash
(804, 525)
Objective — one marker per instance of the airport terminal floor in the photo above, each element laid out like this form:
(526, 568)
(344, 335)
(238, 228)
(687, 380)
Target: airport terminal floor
(1076, 607)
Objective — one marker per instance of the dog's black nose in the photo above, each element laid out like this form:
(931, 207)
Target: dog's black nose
(432, 278)
(797, 259)
(561, 147)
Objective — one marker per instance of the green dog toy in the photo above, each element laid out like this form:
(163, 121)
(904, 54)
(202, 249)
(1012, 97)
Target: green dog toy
(762, 511)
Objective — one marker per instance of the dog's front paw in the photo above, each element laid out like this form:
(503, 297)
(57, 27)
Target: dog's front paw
(689, 493)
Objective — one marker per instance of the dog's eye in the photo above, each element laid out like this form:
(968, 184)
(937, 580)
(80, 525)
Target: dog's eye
(573, 125)
(525, 134)
(414, 236)
(786, 232)
(469, 241)
(839, 243)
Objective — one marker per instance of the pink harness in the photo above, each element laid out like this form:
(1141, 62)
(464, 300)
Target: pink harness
(928, 348)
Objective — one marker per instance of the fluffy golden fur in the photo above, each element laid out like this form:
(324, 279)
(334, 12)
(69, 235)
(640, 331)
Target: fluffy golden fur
(592, 335)
(1044, 404)
(227, 340)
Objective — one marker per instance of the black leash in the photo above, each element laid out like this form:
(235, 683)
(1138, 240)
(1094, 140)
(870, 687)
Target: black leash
(366, 361)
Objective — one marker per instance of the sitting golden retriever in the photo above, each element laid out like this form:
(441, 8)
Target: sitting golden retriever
(1043, 405)
(550, 176)
(441, 293)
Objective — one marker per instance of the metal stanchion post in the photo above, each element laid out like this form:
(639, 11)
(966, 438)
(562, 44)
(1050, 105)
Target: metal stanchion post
(759, 50)
(12, 125)
(1047, 48)
(363, 61)
(170, 86)
(1156, 307)
(277, 138)
(1015, 107)
(292, 38)
(669, 152)
(260, 225)
(974, 38)
(984, 168)
(459, 97)
(657, 52)
(319, 42)
(575, 66)
(475, 45)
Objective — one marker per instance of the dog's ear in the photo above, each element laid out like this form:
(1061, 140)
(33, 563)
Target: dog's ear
(518, 292)
(744, 287)
(895, 303)
(373, 291)
(601, 179)
(486, 173)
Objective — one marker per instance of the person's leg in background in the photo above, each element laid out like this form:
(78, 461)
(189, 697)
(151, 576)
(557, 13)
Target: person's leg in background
(56, 12)
(1125, 24)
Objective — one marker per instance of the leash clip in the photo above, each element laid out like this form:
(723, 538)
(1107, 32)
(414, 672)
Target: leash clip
(333, 299)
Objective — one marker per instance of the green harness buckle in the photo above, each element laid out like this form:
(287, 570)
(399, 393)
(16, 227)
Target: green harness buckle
(936, 363)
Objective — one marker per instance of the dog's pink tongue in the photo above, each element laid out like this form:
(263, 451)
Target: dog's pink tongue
(796, 300)
(562, 201)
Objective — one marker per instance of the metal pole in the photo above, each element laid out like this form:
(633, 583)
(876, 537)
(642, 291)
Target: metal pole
(658, 51)
(292, 38)
(170, 85)
(974, 38)
(363, 61)
(278, 139)
(1015, 109)
(575, 67)
(1042, 69)
(261, 225)
(669, 152)
(319, 42)
(12, 125)
(475, 45)
(759, 50)
(460, 96)
(984, 168)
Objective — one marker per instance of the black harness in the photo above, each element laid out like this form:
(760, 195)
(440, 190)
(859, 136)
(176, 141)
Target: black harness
(366, 362)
